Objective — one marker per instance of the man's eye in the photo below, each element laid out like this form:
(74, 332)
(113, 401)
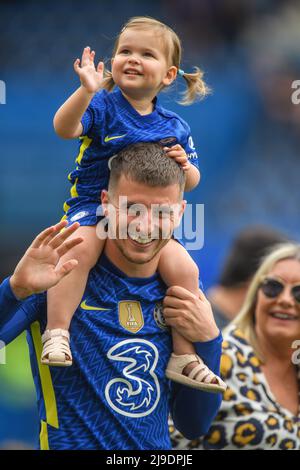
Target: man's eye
(135, 210)
(163, 214)
(167, 215)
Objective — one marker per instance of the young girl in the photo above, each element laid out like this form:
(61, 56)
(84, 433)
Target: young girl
(109, 111)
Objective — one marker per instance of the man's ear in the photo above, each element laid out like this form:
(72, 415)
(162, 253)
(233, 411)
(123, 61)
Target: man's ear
(170, 76)
(179, 213)
(104, 201)
(183, 207)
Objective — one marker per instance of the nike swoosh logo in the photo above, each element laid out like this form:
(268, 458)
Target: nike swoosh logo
(84, 306)
(108, 139)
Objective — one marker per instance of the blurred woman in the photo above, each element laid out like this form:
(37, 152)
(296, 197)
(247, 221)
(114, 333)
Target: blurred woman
(260, 363)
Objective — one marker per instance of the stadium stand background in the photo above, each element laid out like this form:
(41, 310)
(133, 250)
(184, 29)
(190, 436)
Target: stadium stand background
(247, 132)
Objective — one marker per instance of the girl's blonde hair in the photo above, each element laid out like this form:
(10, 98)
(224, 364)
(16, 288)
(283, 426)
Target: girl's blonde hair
(245, 320)
(196, 87)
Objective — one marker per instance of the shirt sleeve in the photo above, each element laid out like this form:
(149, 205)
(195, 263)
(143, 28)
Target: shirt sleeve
(193, 410)
(94, 115)
(15, 315)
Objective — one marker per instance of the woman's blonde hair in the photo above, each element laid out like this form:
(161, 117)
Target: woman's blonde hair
(196, 87)
(245, 320)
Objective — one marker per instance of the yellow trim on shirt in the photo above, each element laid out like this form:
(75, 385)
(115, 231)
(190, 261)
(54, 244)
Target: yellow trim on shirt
(45, 377)
(44, 441)
(74, 192)
(86, 142)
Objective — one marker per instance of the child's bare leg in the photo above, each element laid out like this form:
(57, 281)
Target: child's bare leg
(176, 267)
(64, 298)
(186, 276)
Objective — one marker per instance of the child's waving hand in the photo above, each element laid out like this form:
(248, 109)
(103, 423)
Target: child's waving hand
(91, 77)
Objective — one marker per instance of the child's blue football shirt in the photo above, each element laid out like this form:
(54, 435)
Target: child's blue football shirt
(110, 124)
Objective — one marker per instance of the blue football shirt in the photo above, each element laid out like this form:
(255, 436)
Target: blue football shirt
(115, 395)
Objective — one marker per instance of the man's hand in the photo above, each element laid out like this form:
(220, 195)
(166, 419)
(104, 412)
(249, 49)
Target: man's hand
(179, 155)
(90, 77)
(37, 272)
(191, 315)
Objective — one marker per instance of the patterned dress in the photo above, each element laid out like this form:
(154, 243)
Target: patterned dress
(250, 417)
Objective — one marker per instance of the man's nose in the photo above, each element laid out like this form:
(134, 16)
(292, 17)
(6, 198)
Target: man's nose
(144, 222)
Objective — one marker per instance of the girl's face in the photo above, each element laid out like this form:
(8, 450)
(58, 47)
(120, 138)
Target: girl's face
(140, 66)
(277, 312)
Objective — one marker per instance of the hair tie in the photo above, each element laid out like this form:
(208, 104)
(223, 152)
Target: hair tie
(181, 72)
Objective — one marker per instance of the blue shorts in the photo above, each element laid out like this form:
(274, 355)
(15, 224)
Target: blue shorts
(89, 214)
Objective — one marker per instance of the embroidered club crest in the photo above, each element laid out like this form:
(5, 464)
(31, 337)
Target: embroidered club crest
(159, 316)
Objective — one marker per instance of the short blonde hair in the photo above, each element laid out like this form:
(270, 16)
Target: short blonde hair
(245, 320)
(196, 87)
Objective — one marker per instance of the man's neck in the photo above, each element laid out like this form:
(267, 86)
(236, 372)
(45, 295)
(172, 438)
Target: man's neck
(129, 268)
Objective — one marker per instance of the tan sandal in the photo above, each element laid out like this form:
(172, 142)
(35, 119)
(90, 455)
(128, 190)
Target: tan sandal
(200, 377)
(56, 348)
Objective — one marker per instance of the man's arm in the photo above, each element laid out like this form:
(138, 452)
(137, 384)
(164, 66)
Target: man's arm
(16, 315)
(192, 410)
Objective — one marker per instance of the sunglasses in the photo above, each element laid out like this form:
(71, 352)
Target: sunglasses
(272, 288)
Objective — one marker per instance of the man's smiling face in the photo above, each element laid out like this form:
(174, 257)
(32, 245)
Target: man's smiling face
(132, 209)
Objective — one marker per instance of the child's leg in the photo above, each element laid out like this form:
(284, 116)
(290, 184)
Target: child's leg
(176, 267)
(64, 298)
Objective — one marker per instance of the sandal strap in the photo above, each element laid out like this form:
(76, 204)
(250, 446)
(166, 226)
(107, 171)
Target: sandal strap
(58, 332)
(56, 342)
(183, 360)
(56, 347)
(200, 373)
(203, 374)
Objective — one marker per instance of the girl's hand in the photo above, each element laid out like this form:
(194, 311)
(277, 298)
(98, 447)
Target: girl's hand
(90, 77)
(179, 155)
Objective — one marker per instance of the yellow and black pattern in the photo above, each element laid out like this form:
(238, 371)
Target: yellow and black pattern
(249, 417)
